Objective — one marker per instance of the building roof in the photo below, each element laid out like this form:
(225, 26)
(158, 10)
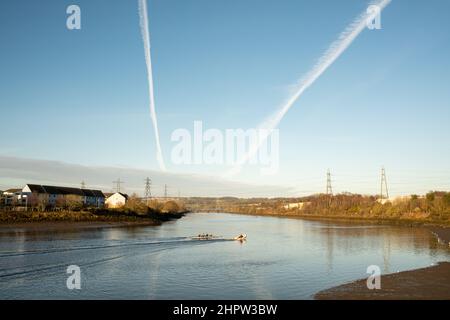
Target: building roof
(13, 190)
(65, 190)
(36, 188)
(92, 193)
(123, 194)
(111, 194)
(98, 193)
(88, 193)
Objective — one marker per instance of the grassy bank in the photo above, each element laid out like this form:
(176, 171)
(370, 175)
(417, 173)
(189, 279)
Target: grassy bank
(134, 211)
(66, 216)
(149, 216)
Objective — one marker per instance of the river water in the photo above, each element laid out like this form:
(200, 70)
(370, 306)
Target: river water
(283, 258)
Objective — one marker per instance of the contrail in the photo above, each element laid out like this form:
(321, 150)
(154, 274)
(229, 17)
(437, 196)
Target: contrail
(143, 21)
(331, 54)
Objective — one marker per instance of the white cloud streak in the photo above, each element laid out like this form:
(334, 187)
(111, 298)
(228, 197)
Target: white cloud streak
(15, 172)
(143, 19)
(344, 40)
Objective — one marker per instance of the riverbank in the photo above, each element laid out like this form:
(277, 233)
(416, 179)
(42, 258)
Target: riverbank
(79, 220)
(65, 226)
(439, 229)
(432, 283)
(432, 225)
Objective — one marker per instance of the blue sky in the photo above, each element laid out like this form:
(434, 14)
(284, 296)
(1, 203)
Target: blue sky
(81, 96)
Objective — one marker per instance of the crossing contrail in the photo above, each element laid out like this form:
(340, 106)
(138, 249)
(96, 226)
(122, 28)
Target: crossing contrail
(331, 54)
(143, 19)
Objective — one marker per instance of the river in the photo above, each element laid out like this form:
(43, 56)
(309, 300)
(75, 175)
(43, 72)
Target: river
(283, 258)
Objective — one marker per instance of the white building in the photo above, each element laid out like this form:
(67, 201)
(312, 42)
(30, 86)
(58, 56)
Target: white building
(10, 196)
(294, 205)
(116, 200)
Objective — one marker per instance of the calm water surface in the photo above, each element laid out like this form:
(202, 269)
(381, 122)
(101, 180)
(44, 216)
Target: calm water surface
(282, 259)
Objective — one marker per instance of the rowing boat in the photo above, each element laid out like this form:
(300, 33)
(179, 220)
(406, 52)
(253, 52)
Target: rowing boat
(241, 237)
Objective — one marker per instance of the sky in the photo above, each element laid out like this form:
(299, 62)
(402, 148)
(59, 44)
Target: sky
(80, 97)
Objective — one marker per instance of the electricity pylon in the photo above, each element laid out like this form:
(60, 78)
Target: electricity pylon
(148, 193)
(329, 189)
(383, 183)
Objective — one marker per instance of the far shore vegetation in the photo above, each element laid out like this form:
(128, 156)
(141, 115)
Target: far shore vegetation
(135, 210)
(432, 208)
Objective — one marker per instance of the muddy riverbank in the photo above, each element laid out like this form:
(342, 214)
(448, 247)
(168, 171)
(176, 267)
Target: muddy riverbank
(432, 283)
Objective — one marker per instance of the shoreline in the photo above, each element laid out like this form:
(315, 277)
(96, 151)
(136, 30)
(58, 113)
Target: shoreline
(67, 226)
(54, 221)
(429, 283)
(377, 221)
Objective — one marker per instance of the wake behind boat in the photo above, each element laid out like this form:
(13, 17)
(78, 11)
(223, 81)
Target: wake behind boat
(207, 236)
